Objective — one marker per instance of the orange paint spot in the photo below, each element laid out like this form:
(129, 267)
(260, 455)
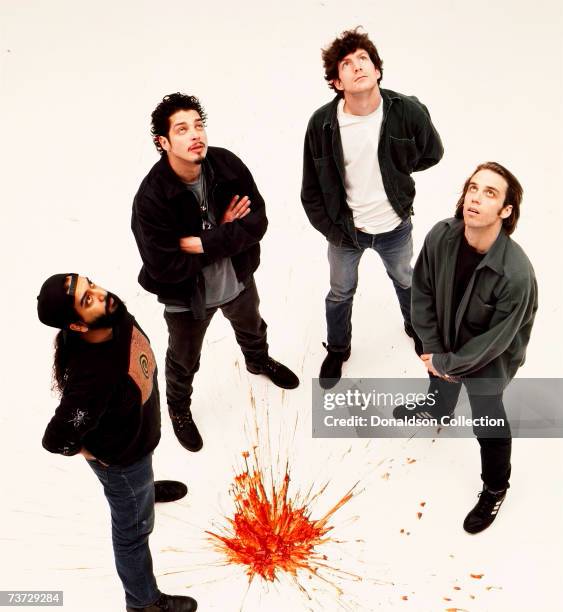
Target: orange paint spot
(477, 576)
(269, 532)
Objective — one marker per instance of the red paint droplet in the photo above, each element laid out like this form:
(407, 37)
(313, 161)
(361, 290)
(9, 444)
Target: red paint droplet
(419, 515)
(267, 534)
(423, 504)
(405, 598)
(477, 576)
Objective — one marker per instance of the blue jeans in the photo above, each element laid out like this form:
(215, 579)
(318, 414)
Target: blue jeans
(395, 250)
(130, 494)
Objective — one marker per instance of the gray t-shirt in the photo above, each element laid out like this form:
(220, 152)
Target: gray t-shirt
(221, 283)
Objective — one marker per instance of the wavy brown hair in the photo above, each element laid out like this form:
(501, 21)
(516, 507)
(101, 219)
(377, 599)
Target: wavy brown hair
(348, 42)
(514, 193)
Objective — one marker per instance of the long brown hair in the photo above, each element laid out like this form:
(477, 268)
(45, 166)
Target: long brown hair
(64, 341)
(514, 193)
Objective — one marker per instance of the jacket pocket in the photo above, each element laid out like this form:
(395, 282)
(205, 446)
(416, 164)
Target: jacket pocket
(327, 173)
(403, 153)
(479, 313)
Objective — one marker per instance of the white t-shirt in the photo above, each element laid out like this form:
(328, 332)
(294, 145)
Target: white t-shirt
(365, 193)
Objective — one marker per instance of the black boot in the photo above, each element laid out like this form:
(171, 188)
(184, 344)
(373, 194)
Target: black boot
(169, 603)
(279, 374)
(186, 430)
(485, 511)
(331, 368)
(169, 490)
(409, 330)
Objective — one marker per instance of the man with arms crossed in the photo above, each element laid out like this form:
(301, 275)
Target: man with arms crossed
(198, 219)
(474, 299)
(106, 373)
(360, 151)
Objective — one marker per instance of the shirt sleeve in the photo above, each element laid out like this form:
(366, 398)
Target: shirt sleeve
(232, 238)
(428, 141)
(423, 311)
(78, 413)
(312, 196)
(159, 244)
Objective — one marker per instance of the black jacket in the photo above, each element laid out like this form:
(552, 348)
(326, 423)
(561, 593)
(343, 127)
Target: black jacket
(164, 211)
(110, 404)
(408, 143)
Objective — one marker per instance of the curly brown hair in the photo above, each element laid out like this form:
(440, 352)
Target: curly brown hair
(514, 193)
(348, 42)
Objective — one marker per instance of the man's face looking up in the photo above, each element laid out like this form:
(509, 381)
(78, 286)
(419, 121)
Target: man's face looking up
(187, 139)
(484, 202)
(93, 304)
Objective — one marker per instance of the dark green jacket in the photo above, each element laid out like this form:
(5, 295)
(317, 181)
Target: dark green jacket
(408, 142)
(496, 313)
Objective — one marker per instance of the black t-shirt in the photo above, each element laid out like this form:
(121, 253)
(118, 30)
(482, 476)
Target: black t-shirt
(467, 260)
(110, 404)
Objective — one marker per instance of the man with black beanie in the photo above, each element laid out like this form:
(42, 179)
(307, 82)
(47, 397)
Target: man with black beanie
(109, 412)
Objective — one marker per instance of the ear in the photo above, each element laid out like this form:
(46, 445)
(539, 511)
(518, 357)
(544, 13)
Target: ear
(163, 142)
(338, 84)
(506, 211)
(78, 327)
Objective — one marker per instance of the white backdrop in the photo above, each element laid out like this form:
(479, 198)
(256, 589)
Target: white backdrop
(78, 82)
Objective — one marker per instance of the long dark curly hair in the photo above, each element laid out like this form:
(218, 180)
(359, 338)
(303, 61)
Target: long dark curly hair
(64, 342)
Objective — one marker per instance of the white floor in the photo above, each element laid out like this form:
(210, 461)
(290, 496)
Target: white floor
(78, 84)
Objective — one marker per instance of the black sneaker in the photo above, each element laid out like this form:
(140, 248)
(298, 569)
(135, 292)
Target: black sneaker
(331, 368)
(485, 511)
(169, 603)
(279, 374)
(169, 491)
(409, 330)
(420, 413)
(186, 430)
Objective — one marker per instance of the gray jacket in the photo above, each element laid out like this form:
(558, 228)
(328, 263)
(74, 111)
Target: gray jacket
(496, 313)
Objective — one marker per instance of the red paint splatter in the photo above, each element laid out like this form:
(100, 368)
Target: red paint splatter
(269, 531)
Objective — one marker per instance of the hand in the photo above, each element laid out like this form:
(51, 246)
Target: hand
(89, 457)
(191, 244)
(237, 209)
(427, 361)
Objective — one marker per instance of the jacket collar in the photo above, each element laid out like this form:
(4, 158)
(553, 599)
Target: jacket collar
(331, 119)
(214, 170)
(494, 258)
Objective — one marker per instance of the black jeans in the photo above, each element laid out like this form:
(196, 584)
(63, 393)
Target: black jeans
(495, 443)
(185, 339)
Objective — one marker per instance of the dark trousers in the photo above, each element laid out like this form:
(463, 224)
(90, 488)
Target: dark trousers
(495, 443)
(130, 494)
(185, 339)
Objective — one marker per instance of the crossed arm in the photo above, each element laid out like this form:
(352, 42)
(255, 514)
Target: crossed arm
(238, 208)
